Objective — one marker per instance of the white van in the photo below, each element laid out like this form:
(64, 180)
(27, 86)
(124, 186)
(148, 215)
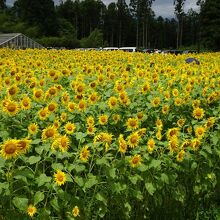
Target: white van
(128, 49)
(110, 48)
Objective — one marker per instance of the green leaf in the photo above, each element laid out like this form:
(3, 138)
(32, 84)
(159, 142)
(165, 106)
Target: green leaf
(155, 164)
(36, 141)
(54, 204)
(79, 181)
(138, 194)
(91, 181)
(80, 135)
(101, 197)
(102, 161)
(150, 188)
(2, 162)
(34, 159)
(142, 167)
(79, 168)
(134, 179)
(21, 203)
(4, 134)
(42, 179)
(4, 185)
(112, 173)
(57, 166)
(38, 197)
(164, 178)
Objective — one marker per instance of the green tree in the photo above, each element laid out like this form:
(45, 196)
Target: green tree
(210, 24)
(94, 40)
(179, 5)
(2, 4)
(41, 13)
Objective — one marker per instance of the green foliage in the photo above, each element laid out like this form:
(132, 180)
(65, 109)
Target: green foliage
(95, 39)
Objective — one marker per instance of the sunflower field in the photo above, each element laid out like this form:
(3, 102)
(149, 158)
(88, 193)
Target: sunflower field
(109, 135)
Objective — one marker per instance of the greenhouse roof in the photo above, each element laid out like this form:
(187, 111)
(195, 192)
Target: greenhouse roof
(18, 41)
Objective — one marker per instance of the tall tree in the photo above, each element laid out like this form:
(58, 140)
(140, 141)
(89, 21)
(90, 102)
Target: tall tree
(179, 5)
(41, 13)
(210, 23)
(142, 12)
(122, 15)
(2, 4)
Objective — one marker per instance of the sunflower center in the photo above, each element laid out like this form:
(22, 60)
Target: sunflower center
(51, 107)
(60, 178)
(25, 103)
(22, 145)
(10, 148)
(133, 140)
(49, 133)
(12, 91)
(38, 94)
(52, 91)
(11, 107)
(135, 161)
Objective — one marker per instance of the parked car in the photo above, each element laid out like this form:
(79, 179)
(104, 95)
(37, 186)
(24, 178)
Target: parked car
(110, 48)
(129, 49)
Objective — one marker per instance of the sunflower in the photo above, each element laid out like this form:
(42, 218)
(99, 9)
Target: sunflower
(119, 87)
(167, 95)
(9, 149)
(52, 91)
(181, 122)
(135, 160)
(38, 94)
(65, 97)
(63, 143)
(146, 88)
(199, 132)
(103, 137)
(150, 145)
(133, 140)
(159, 135)
(43, 113)
(132, 123)
(172, 132)
(60, 177)
(112, 102)
(90, 120)
(103, 119)
(23, 145)
(52, 107)
(25, 103)
(79, 88)
(195, 144)
(175, 92)
(178, 101)
(11, 108)
(33, 128)
(63, 116)
(69, 127)
(210, 122)
(12, 90)
(84, 154)
(122, 144)
(156, 101)
(165, 109)
(116, 118)
(93, 98)
(71, 106)
(75, 211)
(49, 133)
(173, 144)
(82, 105)
(180, 156)
(140, 115)
(159, 124)
(198, 113)
(31, 210)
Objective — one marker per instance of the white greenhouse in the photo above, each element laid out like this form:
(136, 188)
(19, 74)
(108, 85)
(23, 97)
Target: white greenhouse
(17, 41)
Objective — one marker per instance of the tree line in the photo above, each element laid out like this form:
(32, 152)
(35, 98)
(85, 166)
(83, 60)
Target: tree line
(90, 23)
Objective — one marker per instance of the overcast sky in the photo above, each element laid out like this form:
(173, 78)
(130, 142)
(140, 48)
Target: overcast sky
(162, 8)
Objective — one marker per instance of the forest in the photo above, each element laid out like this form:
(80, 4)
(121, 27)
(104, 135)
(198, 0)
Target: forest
(91, 23)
